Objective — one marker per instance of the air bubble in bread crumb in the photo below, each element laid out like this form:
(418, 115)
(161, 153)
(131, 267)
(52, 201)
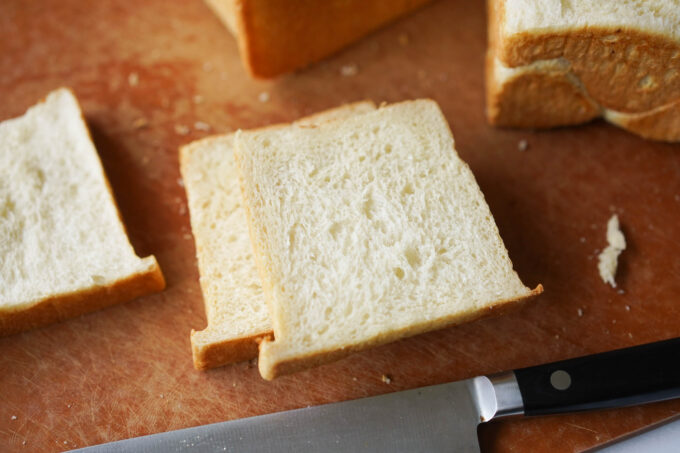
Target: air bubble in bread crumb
(263, 97)
(523, 145)
(349, 70)
(133, 79)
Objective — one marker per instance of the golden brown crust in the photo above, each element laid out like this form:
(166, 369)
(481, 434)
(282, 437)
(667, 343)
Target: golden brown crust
(280, 36)
(64, 306)
(661, 124)
(214, 354)
(536, 100)
(290, 366)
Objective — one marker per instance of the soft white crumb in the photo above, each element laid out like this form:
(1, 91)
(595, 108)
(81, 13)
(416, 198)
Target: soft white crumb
(14, 417)
(523, 145)
(202, 126)
(181, 129)
(263, 97)
(198, 99)
(133, 79)
(386, 379)
(608, 259)
(579, 312)
(349, 70)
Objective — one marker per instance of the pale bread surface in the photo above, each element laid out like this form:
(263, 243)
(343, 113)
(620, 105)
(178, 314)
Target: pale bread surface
(235, 308)
(367, 230)
(63, 248)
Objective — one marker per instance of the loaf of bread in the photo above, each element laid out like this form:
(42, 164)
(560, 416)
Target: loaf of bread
(234, 304)
(553, 63)
(276, 37)
(366, 230)
(63, 248)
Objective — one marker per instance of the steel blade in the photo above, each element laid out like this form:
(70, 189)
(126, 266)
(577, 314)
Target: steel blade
(441, 418)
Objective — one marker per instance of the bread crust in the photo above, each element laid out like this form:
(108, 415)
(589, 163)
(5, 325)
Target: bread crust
(271, 367)
(630, 77)
(63, 306)
(279, 36)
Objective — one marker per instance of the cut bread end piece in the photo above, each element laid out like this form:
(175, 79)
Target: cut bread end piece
(63, 248)
(235, 307)
(367, 230)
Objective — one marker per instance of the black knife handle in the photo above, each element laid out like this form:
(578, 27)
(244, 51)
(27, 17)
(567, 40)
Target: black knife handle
(624, 377)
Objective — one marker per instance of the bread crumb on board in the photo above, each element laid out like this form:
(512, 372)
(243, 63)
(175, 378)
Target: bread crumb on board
(386, 378)
(349, 70)
(523, 145)
(608, 258)
(133, 79)
(579, 312)
(202, 126)
(14, 417)
(140, 123)
(181, 129)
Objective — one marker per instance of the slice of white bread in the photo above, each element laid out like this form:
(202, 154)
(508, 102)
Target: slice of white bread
(234, 304)
(275, 37)
(63, 248)
(366, 230)
(554, 63)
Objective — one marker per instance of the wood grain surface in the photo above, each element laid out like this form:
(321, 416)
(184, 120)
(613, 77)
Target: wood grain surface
(127, 370)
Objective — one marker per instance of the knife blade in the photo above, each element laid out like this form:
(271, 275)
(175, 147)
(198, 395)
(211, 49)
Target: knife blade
(439, 418)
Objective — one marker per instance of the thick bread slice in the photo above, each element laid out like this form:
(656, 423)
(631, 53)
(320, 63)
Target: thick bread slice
(367, 230)
(235, 307)
(552, 64)
(276, 36)
(63, 248)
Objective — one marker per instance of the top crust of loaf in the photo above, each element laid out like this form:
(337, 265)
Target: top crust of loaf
(367, 230)
(60, 232)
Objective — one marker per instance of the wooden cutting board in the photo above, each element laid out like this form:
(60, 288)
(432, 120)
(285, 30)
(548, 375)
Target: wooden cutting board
(127, 370)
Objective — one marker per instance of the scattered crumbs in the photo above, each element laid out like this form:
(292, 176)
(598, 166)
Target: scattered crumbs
(582, 240)
(180, 182)
(349, 70)
(621, 291)
(354, 379)
(181, 129)
(677, 197)
(404, 39)
(140, 123)
(162, 396)
(202, 126)
(187, 236)
(579, 312)
(263, 97)
(207, 66)
(182, 209)
(590, 257)
(593, 226)
(14, 417)
(627, 307)
(630, 335)
(69, 406)
(523, 145)
(65, 442)
(557, 336)
(23, 442)
(387, 379)
(233, 384)
(198, 99)
(613, 321)
(133, 79)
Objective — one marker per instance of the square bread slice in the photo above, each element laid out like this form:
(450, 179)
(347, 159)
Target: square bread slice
(366, 230)
(232, 293)
(63, 248)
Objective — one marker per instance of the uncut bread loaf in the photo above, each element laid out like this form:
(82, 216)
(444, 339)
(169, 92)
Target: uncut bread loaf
(63, 248)
(234, 304)
(366, 230)
(552, 63)
(276, 37)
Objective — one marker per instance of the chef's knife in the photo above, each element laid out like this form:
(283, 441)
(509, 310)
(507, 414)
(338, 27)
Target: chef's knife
(440, 418)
